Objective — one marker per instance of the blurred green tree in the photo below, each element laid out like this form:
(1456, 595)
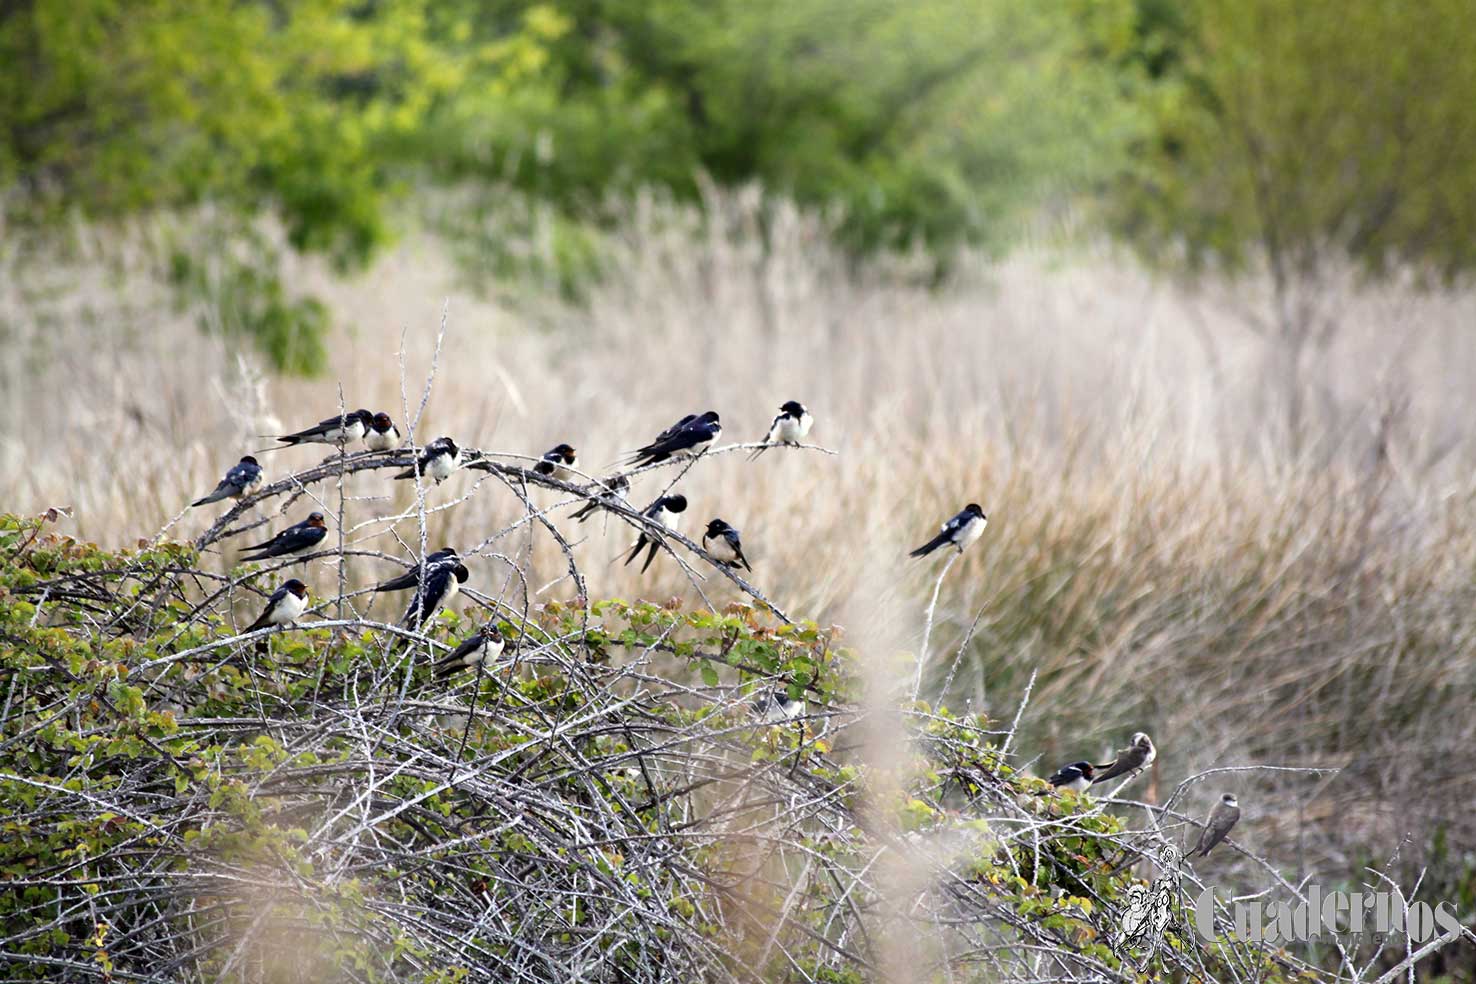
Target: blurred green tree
(937, 122)
(1302, 139)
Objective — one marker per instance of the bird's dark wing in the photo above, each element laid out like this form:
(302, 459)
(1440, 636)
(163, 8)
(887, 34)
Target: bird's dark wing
(290, 540)
(1127, 760)
(458, 656)
(261, 620)
(426, 600)
(678, 437)
(409, 579)
(1216, 830)
(940, 540)
(317, 430)
(731, 535)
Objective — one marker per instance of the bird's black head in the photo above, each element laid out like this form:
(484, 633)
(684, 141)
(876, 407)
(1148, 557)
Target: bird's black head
(296, 587)
(564, 451)
(975, 508)
(793, 407)
(491, 633)
(315, 519)
(617, 483)
(461, 573)
(446, 553)
(449, 445)
(674, 503)
(1229, 800)
(381, 422)
(710, 417)
(717, 528)
(1087, 769)
(248, 460)
(1141, 740)
(365, 417)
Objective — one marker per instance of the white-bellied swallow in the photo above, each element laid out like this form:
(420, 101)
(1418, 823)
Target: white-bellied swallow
(1224, 816)
(438, 587)
(960, 531)
(1138, 755)
(284, 607)
(244, 476)
(790, 427)
(723, 544)
(1076, 777)
(293, 539)
(615, 488)
(445, 557)
(691, 435)
(382, 434)
(437, 460)
(484, 646)
(776, 706)
(338, 429)
(664, 512)
(558, 462)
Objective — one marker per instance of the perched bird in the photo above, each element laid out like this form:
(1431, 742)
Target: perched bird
(722, 543)
(382, 434)
(439, 586)
(284, 607)
(776, 706)
(445, 557)
(558, 462)
(437, 460)
(790, 427)
(484, 646)
(1076, 777)
(1138, 755)
(1224, 816)
(244, 476)
(691, 435)
(663, 512)
(293, 539)
(615, 488)
(338, 429)
(960, 531)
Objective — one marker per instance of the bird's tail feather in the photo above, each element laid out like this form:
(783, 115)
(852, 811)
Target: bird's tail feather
(930, 546)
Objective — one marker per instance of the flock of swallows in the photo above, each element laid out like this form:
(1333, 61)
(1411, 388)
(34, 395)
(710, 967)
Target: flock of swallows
(438, 578)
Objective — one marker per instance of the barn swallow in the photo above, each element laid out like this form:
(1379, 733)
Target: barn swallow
(790, 427)
(689, 436)
(615, 488)
(293, 539)
(445, 557)
(437, 460)
(284, 607)
(776, 706)
(337, 429)
(484, 646)
(382, 434)
(960, 531)
(558, 462)
(1139, 754)
(440, 586)
(723, 545)
(1224, 816)
(244, 476)
(663, 512)
(1076, 777)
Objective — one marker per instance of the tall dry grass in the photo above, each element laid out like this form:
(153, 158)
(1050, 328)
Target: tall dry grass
(1157, 554)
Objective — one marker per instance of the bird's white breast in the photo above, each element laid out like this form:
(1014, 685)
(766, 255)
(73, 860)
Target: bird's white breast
(441, 466)
(288, 609)
(791, 430)
(375, 441)
(972, 530)
(720, 548)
